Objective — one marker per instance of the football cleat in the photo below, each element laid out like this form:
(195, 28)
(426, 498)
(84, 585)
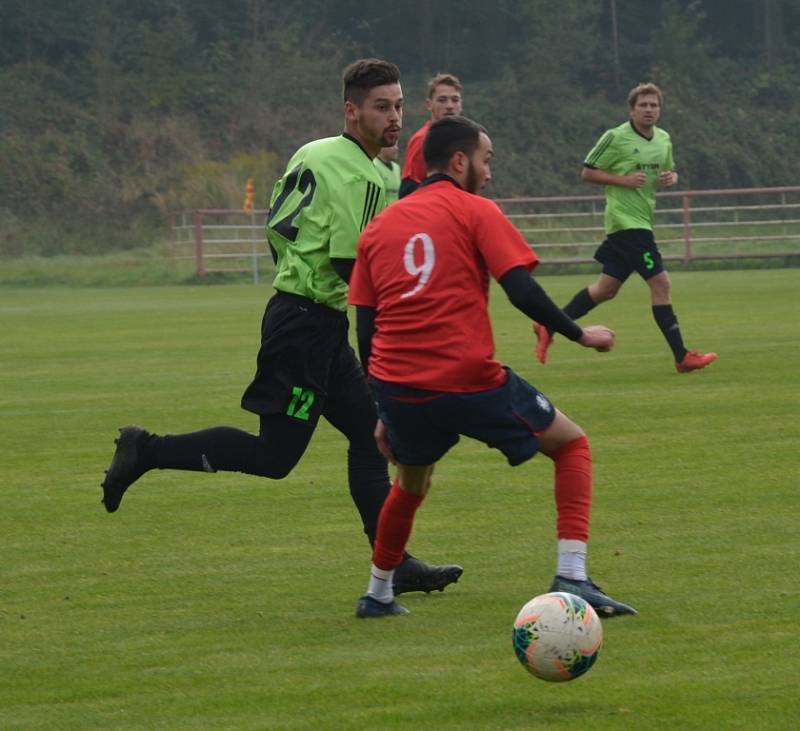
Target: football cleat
(416, 575)
(369, 607)
(544, 339)
(603, 604)
(694, 361)
(126, 466)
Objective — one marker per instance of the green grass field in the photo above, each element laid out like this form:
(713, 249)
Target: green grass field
(226, 601)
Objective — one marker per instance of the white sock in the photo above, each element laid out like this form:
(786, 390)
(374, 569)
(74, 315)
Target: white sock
(380, 584)
(572, 559)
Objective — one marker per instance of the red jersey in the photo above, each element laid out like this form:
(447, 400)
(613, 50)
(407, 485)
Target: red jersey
(414, 166)
(424, 264)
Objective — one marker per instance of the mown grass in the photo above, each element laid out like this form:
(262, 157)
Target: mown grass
(225, 601)
(134, 267)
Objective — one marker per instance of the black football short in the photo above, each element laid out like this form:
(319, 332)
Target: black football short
(305, 359)
(424, 425)
(632, 250)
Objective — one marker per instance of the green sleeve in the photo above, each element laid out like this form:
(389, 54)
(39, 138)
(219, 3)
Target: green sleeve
(603, 154)
(298, 202)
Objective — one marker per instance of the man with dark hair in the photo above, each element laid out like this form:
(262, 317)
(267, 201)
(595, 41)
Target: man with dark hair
(421, 287)
(444, 100)
(306, 368)
(632, 161)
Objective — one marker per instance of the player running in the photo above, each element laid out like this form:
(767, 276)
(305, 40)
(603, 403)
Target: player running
(306, 368)
(632, 161)
(421, 287)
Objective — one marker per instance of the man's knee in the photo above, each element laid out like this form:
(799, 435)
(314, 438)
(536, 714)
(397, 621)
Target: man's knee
(275, 461)
(276, 467)
(604, 289)
(281, 444)
(355, 419)
(660, 288)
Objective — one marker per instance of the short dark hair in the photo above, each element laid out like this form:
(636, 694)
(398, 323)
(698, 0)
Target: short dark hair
(365, 74)
(446, 79)
(446, 137)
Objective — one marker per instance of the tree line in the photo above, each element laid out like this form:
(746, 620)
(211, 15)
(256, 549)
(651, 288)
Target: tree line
(113, 113)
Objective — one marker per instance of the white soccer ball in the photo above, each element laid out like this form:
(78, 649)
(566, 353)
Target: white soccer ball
(557, 636)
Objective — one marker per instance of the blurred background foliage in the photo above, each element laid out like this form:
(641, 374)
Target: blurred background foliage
(114, 113)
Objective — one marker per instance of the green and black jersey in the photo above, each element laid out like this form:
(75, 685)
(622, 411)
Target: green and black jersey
(390, 172)
(330, 191)
(624, 151)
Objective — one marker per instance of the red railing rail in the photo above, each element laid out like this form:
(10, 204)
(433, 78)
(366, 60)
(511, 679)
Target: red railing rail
(734, 223)
(771, 230)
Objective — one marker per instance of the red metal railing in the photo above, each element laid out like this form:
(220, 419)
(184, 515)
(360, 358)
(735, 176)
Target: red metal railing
(740, 223)
(556, 225)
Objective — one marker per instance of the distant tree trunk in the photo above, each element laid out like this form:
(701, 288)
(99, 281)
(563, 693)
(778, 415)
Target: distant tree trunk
(772, 21)
(100, 57)
(615, 43)
(427, 39)
(255, 19)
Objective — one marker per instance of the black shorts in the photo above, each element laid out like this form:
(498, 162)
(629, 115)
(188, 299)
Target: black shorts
(424, 425)
(305, 359)
(632, 250)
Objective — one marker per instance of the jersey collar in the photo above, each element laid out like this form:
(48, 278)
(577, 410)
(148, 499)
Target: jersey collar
(633, 127)
(350, 137)
(437, 178)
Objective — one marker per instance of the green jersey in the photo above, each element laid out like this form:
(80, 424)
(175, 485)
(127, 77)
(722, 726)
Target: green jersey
(390, 172)
(328, 194)
(624, 151)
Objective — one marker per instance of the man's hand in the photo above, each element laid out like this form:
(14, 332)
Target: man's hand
(382, 440)
(668, 178)
(598, 337)
(634, 180)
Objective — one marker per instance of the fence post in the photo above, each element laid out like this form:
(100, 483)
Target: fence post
(198, 243)
(687, 231)
(254, 246)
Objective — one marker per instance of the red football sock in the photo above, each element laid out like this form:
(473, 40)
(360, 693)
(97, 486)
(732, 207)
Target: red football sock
(573, 489)
(394, 527)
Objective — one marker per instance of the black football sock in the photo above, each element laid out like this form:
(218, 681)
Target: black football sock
(207, 450)
(367, 470)
(368, 477)
(272, 454)
(668, 324)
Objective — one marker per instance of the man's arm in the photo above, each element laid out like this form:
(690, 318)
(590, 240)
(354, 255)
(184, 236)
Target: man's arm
(601, 177)
(343, 267)
(526, 295)
(414, 168)
(365, 329)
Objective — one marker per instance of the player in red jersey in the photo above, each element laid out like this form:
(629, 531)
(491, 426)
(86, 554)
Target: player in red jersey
(421, 288)
(444, 100)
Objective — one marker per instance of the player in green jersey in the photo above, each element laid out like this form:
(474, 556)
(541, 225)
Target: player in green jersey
(632, 161)
(306, 368)
(388, 167)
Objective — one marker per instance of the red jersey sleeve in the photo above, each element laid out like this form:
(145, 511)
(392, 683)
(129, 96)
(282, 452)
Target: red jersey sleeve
(414, 166)
(501, 244)
(361, 290)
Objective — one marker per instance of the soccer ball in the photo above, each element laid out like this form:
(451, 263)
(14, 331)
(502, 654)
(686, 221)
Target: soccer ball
(557, 636)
